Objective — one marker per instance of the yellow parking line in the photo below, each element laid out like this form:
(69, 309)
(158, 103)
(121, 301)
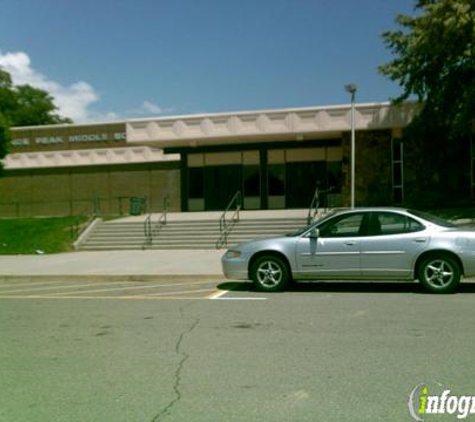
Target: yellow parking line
(68, 286)
(130, 297)
(10, 284)
(152, 286)
(180, 292)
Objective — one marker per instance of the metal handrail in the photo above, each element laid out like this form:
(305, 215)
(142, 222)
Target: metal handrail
(150, 230)
(147, 228)
(225, 226)
(315, 204)
(313, 209)
(162, 220)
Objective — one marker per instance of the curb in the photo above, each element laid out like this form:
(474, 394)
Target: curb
(114, 277)
(85, 234)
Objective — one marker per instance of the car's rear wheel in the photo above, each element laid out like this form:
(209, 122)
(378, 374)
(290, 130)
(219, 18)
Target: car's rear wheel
(270, 273)
(439, 274)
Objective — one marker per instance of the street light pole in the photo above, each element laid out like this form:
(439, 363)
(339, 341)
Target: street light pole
(351, 88)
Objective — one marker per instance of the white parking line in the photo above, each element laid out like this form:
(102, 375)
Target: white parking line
(217, 295)
(220, 296)
(135, 287)
(240, 298)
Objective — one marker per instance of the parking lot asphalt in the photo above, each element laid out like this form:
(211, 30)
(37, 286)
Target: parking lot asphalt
(156, 336)
(319, 352)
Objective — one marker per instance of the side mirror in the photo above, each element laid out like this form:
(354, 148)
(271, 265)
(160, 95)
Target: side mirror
(314, 233)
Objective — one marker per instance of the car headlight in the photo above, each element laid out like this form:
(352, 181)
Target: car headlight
(233, 254)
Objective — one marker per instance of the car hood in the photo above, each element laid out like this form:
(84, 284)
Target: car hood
(270, 243)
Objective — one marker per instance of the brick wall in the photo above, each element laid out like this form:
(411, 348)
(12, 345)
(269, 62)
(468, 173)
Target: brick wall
(85, 190)
(436, 171)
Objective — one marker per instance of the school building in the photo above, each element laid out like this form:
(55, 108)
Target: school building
(275, 158)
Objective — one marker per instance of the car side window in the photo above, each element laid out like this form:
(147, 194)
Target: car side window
(343, 226)
(387, 223)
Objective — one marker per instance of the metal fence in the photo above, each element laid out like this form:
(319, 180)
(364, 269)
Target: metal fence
(97, 206)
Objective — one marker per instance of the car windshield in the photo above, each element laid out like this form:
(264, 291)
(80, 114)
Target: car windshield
(433, 219)
(302, 230)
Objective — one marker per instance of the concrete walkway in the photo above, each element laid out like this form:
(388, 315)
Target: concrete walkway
(137, 265)
(115, 265)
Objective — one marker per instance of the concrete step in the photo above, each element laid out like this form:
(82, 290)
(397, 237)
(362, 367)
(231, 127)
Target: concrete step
(185, 234)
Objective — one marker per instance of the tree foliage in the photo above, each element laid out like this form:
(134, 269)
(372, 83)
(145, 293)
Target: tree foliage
(434, 61)
(23, 105)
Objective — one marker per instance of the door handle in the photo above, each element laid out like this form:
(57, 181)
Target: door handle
(420, 240)
(350, 243)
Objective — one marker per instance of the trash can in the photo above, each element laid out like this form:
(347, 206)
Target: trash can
(137, 205)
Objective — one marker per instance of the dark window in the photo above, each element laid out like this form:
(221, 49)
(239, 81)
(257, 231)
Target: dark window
(302, 180)
(397, 144)
(397, 195)
(397, 181)
(397, 167)
(343, 226)
(276, 179)
(334, 176)
(196, 182)
(222, 183)
(252, 181)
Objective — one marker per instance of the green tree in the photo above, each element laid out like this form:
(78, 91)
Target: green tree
(434, 61)
(23, 105)
(34, 107)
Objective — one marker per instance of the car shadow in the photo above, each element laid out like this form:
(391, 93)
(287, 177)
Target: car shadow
(344, 287)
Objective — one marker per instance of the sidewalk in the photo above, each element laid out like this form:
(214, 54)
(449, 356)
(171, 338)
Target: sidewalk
(134, 265)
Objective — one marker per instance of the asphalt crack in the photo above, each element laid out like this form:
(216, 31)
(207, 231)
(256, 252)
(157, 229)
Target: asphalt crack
(181, 364)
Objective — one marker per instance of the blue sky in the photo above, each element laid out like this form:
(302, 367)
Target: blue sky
(118, 59)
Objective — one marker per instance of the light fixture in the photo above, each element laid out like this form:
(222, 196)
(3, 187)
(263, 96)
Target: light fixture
(351, 88)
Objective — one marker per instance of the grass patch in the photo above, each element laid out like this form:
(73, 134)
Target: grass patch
(29, 235)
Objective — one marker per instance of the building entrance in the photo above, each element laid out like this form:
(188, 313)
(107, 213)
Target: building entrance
(274, 179)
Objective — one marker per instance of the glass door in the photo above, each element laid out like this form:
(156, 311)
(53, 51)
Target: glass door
(301, 181)
(221, 183)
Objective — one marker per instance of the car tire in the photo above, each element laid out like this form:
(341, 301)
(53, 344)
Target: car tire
(270, 274)
(439, 274)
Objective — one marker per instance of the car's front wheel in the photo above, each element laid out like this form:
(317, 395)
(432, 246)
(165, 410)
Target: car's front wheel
(439, 274)
(270, 273)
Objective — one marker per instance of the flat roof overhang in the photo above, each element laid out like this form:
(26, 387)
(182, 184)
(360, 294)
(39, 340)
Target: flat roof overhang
(86, 157)
(180, 132)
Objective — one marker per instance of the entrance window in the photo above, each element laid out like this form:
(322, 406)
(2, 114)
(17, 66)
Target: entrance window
(195, 182)
(277, 180)
(303, 178)
(252, 187)
(221, 184)
(276, 186)
(334, 176)
(196, 201)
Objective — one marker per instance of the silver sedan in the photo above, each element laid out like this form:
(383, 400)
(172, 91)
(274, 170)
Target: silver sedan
(360, 244)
